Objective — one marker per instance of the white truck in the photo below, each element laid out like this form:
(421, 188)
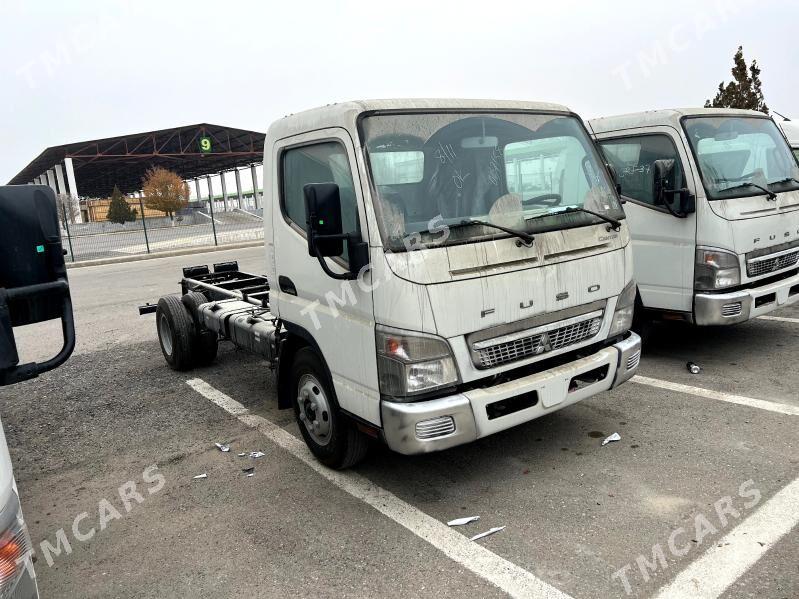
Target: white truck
(436, 271)
(791, 131)
(712, 200)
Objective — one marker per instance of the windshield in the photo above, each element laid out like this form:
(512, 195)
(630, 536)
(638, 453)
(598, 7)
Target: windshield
(739, 155)
(436, 169)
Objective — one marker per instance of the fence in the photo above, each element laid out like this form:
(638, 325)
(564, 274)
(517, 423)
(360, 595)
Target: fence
(202, 224)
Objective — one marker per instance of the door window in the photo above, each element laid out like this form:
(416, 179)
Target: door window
(324, 162)
(633, 159)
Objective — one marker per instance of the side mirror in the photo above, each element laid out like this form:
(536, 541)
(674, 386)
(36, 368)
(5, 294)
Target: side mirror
(323, 219)
(614, 176)
(33, 276)
(325, 230)
(663, 171)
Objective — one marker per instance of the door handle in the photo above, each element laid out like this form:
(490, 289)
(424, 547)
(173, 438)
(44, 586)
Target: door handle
(286, 285)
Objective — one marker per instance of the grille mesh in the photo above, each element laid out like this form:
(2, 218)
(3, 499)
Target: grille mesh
(761, 267)
(539, 343)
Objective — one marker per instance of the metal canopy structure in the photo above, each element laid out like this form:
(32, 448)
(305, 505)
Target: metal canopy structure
(192, 151)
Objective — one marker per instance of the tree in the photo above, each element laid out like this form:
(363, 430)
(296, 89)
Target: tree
(745, 89)
(119, 211)
(165, 191)
(67, 207)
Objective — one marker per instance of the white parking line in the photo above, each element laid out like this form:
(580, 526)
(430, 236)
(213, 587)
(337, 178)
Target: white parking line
(710, 575)
(761, 404)
(509, 577)
(779, 318)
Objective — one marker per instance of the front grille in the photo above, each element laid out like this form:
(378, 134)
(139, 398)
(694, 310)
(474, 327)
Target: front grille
(435, 427)
(632, 361)
(535, 344)
(731, 309)
(765, 265)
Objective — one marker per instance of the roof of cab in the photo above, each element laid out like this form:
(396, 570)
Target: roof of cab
(345, 114)
(655, 118)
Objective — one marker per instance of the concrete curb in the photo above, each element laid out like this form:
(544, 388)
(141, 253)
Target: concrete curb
(181, 252)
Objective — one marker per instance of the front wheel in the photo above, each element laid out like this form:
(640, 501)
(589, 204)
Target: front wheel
(331, 436)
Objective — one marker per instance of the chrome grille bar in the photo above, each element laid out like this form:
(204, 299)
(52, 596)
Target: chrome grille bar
(532, 342)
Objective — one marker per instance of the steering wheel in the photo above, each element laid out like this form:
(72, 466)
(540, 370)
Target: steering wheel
(548, 199)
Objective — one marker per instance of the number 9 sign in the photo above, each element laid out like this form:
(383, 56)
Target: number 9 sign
(205, 144)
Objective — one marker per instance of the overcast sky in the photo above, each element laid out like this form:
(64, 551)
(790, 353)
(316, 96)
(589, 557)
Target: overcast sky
(79, 70)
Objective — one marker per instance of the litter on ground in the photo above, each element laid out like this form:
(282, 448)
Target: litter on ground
(199, 476)
(222, 447)
(611, 438)
(462, 521)
(490, 531)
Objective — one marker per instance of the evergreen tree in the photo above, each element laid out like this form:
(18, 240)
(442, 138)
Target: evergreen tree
(744, 91)
(119, 211)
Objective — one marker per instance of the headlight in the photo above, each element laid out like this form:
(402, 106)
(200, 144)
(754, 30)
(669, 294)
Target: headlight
(412, 363)
(623, 316)
(15, 550)
(716, 269)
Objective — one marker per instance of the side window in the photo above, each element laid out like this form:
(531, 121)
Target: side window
(318, 163)
(632, 157)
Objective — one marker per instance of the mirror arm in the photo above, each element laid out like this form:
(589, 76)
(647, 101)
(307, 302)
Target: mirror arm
(671, 210)
(345, 276)
(31, 370)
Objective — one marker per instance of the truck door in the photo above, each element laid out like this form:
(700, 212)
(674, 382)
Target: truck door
(337, 314)
(663, 244)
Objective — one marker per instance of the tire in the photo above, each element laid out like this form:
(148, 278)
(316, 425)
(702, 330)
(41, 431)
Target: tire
(205, 343)
(175, 332)
(337, 442)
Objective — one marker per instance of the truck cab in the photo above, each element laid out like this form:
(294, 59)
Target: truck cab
(437, 271)
(712, 201)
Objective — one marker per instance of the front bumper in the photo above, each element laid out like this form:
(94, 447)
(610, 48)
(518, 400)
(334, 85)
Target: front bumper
(437, 424)
(740, 306)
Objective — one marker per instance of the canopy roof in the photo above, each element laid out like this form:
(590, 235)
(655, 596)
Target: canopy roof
(190, 151)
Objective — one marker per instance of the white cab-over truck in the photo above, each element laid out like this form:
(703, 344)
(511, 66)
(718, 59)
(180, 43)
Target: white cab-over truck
(791, 131)
(436, 271)
(712, 201)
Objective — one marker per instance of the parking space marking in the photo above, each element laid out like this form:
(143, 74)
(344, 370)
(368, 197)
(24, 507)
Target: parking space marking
(761, 404)
(710, 575)
(514, 580)
(779, 319)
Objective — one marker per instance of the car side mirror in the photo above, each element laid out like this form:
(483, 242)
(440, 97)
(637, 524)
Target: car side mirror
(614, 176)
(33, 276)
(323, 219)
(663, 171)
(325, 230)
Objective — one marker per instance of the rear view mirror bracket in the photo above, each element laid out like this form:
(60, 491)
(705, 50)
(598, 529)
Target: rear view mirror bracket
(10, 369)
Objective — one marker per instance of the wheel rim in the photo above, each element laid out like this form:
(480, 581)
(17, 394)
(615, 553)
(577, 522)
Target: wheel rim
(315, 414)
(165, 333)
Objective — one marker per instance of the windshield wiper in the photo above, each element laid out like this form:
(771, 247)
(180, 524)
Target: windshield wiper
(770, 194)
(525, 237)
(615, 224)
(785, 180)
